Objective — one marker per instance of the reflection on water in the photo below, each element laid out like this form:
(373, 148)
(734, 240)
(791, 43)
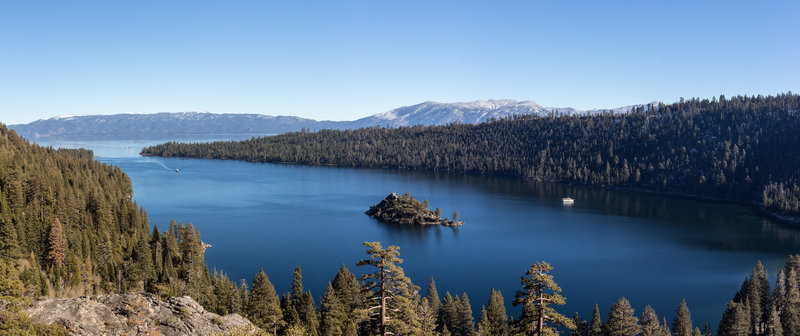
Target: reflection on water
(651, 249)
(789, 236)
(417, 232)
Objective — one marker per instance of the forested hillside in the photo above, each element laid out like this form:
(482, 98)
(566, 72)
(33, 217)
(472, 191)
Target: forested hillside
(740, 149)
(68, 227)
(71, 222)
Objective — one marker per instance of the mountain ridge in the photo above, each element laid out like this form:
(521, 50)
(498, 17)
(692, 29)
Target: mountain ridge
(198, 124)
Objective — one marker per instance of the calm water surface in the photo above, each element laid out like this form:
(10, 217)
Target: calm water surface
(650, 249)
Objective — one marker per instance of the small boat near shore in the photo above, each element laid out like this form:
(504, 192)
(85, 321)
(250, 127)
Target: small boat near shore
(568, 201)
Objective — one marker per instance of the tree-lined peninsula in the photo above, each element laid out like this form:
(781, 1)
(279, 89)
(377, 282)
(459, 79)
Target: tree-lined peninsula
(743, 149)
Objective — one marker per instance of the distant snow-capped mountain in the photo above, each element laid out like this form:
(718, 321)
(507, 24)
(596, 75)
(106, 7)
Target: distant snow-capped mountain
(433, 113)
(188, 125)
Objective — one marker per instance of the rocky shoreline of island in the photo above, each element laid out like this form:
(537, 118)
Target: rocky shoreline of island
(407, 210)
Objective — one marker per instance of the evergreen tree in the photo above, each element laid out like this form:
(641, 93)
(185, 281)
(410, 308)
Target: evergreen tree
(236, 302)
(290, 315)
(297, 295)
(793, 263)
(581, 326)
(73, 270)
(649, 322)
(308, 314)
(596, 325)
(171, 250)
(263, 306)
(191, 249)
(449, 312)
(244, 295)
(465, 322)
(157, 252)
(755, 290)
(427, 317)
(735, 321)
(9, 241)
(773, 327)
(225, 293)
(435, 303)
(31, 276)
(169, 269)
(483, 323)
(779, 294)
(394, 293)
(706, 330)
(143, 263)
(496, 318)
(348, 290)
(300, 306)
(433, 296)
(621, 320)
(539, 292)
(790, 313)
(11, 288)
(682, 325)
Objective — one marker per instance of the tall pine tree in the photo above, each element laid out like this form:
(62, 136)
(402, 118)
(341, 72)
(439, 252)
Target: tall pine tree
(682, 325)
(428, 316)
(333, 313)
(464, 322)
(496, 319)
(348, 290)
(394, 293)
(263, 306)
(596, 324)
(735, 321)
(649, 322)
(773, 327)
(539, 293)
(621, 320)
(790, 314)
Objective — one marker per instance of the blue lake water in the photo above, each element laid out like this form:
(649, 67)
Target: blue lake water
(650, 249)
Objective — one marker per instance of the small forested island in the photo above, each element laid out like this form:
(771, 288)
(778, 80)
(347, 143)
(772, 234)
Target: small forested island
(407, 210)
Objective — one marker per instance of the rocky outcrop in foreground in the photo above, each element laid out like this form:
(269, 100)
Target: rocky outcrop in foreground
(134, 314)
(407, 210)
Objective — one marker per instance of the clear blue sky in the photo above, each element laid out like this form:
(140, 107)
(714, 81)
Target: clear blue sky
(345, 60)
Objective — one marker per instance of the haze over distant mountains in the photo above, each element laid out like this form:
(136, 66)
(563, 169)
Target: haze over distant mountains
(194, 125)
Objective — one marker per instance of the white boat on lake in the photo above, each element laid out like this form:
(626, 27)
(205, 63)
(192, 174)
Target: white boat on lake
(568, 201)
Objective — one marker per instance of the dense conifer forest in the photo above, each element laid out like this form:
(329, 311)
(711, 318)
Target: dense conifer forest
(68, 227)
(740, 149)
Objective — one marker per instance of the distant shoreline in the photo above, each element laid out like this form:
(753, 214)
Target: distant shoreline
(786, 220)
